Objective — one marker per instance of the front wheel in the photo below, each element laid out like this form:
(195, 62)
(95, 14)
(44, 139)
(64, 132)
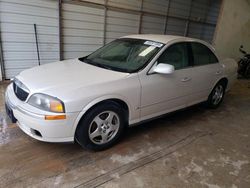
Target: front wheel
(101, 127)
(217, 95)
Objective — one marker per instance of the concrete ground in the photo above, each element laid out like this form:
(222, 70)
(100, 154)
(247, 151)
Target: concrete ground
(196, 147)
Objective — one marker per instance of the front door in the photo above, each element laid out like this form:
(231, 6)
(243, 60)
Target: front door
(162, 93)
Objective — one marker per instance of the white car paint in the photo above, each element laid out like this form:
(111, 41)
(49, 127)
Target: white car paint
(80, 86)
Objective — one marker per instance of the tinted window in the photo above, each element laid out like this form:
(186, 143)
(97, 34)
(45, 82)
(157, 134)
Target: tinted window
(175, 55)
(202, 54)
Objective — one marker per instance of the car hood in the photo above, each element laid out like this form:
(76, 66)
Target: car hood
(66, 74)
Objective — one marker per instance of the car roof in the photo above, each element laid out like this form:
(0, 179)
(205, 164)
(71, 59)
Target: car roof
(165, 39)
(160, 38)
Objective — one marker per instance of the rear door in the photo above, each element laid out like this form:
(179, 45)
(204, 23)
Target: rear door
(206, 71)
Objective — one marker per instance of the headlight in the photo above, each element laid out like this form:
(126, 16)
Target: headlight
(47, 103)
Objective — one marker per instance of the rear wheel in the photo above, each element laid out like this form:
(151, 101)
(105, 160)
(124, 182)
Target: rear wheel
(217, 95)
(101, 127)
(247, 72)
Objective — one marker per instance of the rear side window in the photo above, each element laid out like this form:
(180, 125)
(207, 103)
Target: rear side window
(176, 55)
(202, 54)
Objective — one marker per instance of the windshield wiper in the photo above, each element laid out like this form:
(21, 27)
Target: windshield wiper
(102, 65)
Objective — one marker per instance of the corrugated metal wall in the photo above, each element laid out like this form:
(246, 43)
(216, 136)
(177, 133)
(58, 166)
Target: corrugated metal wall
(17, 33)
(82, 30)
(87, 25)
(120, 24)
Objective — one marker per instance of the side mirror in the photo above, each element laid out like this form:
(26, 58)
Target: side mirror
(164, 68)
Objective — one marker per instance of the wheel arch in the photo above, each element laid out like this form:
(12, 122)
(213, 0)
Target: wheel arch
(111, 99)
(224, 80)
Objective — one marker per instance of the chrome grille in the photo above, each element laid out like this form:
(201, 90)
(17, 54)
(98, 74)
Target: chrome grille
(20, 92)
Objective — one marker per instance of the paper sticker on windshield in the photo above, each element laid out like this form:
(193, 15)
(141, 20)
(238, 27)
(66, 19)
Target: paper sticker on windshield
(156, 44)
(147, 51)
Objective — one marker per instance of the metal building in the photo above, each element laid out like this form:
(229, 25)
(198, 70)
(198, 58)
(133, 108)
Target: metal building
(73, 28)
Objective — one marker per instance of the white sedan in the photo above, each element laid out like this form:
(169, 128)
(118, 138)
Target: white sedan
(132, 79)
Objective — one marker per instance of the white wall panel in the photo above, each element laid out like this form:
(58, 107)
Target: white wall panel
(28, 28)
(120, 24)
(17, 33)
(95, 1)
(8, 7)
(26, 63)
(208, 33)
(30, 47)
(82, 30)
(195, 30)
(180, 8)
(27, 19)
(213, 11)
(128, 4)
(27, 38)
(176, 26)
(201, 31)
(159, 6)
(73, 40)
(9, 56)
(50, 4)
(153, 24)
(200, 10)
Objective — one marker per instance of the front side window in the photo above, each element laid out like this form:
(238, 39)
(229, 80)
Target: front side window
(125, 55)
(202, 55)
(176, 55)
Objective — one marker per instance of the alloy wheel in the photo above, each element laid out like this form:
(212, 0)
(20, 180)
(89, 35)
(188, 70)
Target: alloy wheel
(218, 94)
(104, 127)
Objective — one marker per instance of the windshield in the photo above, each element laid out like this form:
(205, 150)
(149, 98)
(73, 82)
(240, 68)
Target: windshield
(125, 55)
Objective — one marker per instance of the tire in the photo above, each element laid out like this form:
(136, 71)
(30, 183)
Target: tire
(247, 72)
(101, 127)
(217, 95)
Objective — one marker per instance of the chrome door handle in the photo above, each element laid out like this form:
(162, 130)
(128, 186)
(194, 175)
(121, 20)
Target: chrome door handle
(218, 72)
(186, 79)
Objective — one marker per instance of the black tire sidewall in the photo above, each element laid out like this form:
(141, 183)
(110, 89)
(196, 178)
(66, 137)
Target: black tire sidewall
(247, 72)
(210, 100)
(82, 135)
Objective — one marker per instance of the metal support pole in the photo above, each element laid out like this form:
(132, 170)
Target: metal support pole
(1, 59)
(188, 20)
(141, 17)
(37, 47)
(105, 21)
(60, 30)
(166, 20)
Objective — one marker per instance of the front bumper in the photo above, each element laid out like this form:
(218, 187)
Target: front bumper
(34, 123)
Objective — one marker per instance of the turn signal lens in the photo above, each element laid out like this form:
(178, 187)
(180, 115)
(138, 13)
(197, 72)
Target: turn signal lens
(56, 106)
(55, 117)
